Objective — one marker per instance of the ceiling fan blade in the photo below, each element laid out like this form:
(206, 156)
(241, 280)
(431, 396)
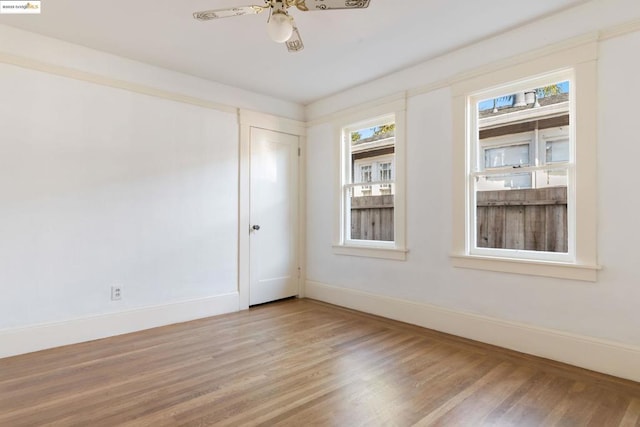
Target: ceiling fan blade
(207, 15)
(328, 4)
(294, 44)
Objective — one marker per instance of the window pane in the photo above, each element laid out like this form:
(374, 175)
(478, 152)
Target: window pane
(532, 219)
(525, 209)
(370, 209)
(372, 132)
(371, 212)
(551, 178)
(365, 173)
(385, 171)
(513, 155)
(503, 181)
(557, 151)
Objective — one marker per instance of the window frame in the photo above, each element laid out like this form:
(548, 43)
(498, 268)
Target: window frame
(342, 245)
(580, 64)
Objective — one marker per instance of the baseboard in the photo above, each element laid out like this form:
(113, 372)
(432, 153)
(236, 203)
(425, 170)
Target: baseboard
(39, 337)
(608, 357)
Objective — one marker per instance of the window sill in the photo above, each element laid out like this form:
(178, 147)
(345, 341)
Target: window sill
(371, 252)
(588, 273)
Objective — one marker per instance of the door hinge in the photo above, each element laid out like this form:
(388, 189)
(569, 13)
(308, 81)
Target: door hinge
(299, 269)
(299, 151)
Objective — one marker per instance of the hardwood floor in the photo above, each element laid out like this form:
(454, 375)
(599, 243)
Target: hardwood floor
(301, 362)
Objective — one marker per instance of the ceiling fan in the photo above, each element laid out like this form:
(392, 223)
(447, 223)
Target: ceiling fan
(280, 25)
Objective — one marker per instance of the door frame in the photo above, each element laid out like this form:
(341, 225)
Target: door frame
(247, 120)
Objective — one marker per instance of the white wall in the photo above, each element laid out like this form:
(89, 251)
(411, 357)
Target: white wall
(102, 185)
(107, 187)
(605, 310)
(63, 54)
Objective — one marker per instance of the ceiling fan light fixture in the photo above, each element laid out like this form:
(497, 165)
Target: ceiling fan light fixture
(279, 27)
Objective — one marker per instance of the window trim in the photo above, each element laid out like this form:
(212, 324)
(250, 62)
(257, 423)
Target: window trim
(395, 250)
(581, 61)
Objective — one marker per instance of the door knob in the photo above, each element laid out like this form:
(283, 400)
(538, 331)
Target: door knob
(255, 227)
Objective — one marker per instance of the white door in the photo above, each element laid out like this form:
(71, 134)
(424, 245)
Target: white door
(274, 216)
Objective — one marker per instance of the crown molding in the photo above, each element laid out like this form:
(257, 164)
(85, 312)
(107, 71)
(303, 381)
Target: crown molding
(71, 73)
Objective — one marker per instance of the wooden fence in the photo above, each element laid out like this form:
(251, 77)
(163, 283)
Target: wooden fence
(531, 219)
(372, 218)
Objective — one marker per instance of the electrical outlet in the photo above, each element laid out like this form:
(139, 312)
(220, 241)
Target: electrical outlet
(116, 292)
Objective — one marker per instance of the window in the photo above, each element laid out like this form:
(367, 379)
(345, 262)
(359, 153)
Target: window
(365, 176)
(385, 176)
(557, 151)
(371, 188)
(370, 212)
(516, 155)
(522, 203)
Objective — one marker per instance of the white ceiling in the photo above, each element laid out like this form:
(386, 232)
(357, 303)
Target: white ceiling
(343, 48)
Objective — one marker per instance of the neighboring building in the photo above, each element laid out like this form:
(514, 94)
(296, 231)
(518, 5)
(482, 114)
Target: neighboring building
(373, 161)
(525, 134)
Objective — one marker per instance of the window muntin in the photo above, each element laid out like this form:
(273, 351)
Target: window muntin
(520, 183)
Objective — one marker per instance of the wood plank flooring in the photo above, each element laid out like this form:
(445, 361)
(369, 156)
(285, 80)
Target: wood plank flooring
(299, 363)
